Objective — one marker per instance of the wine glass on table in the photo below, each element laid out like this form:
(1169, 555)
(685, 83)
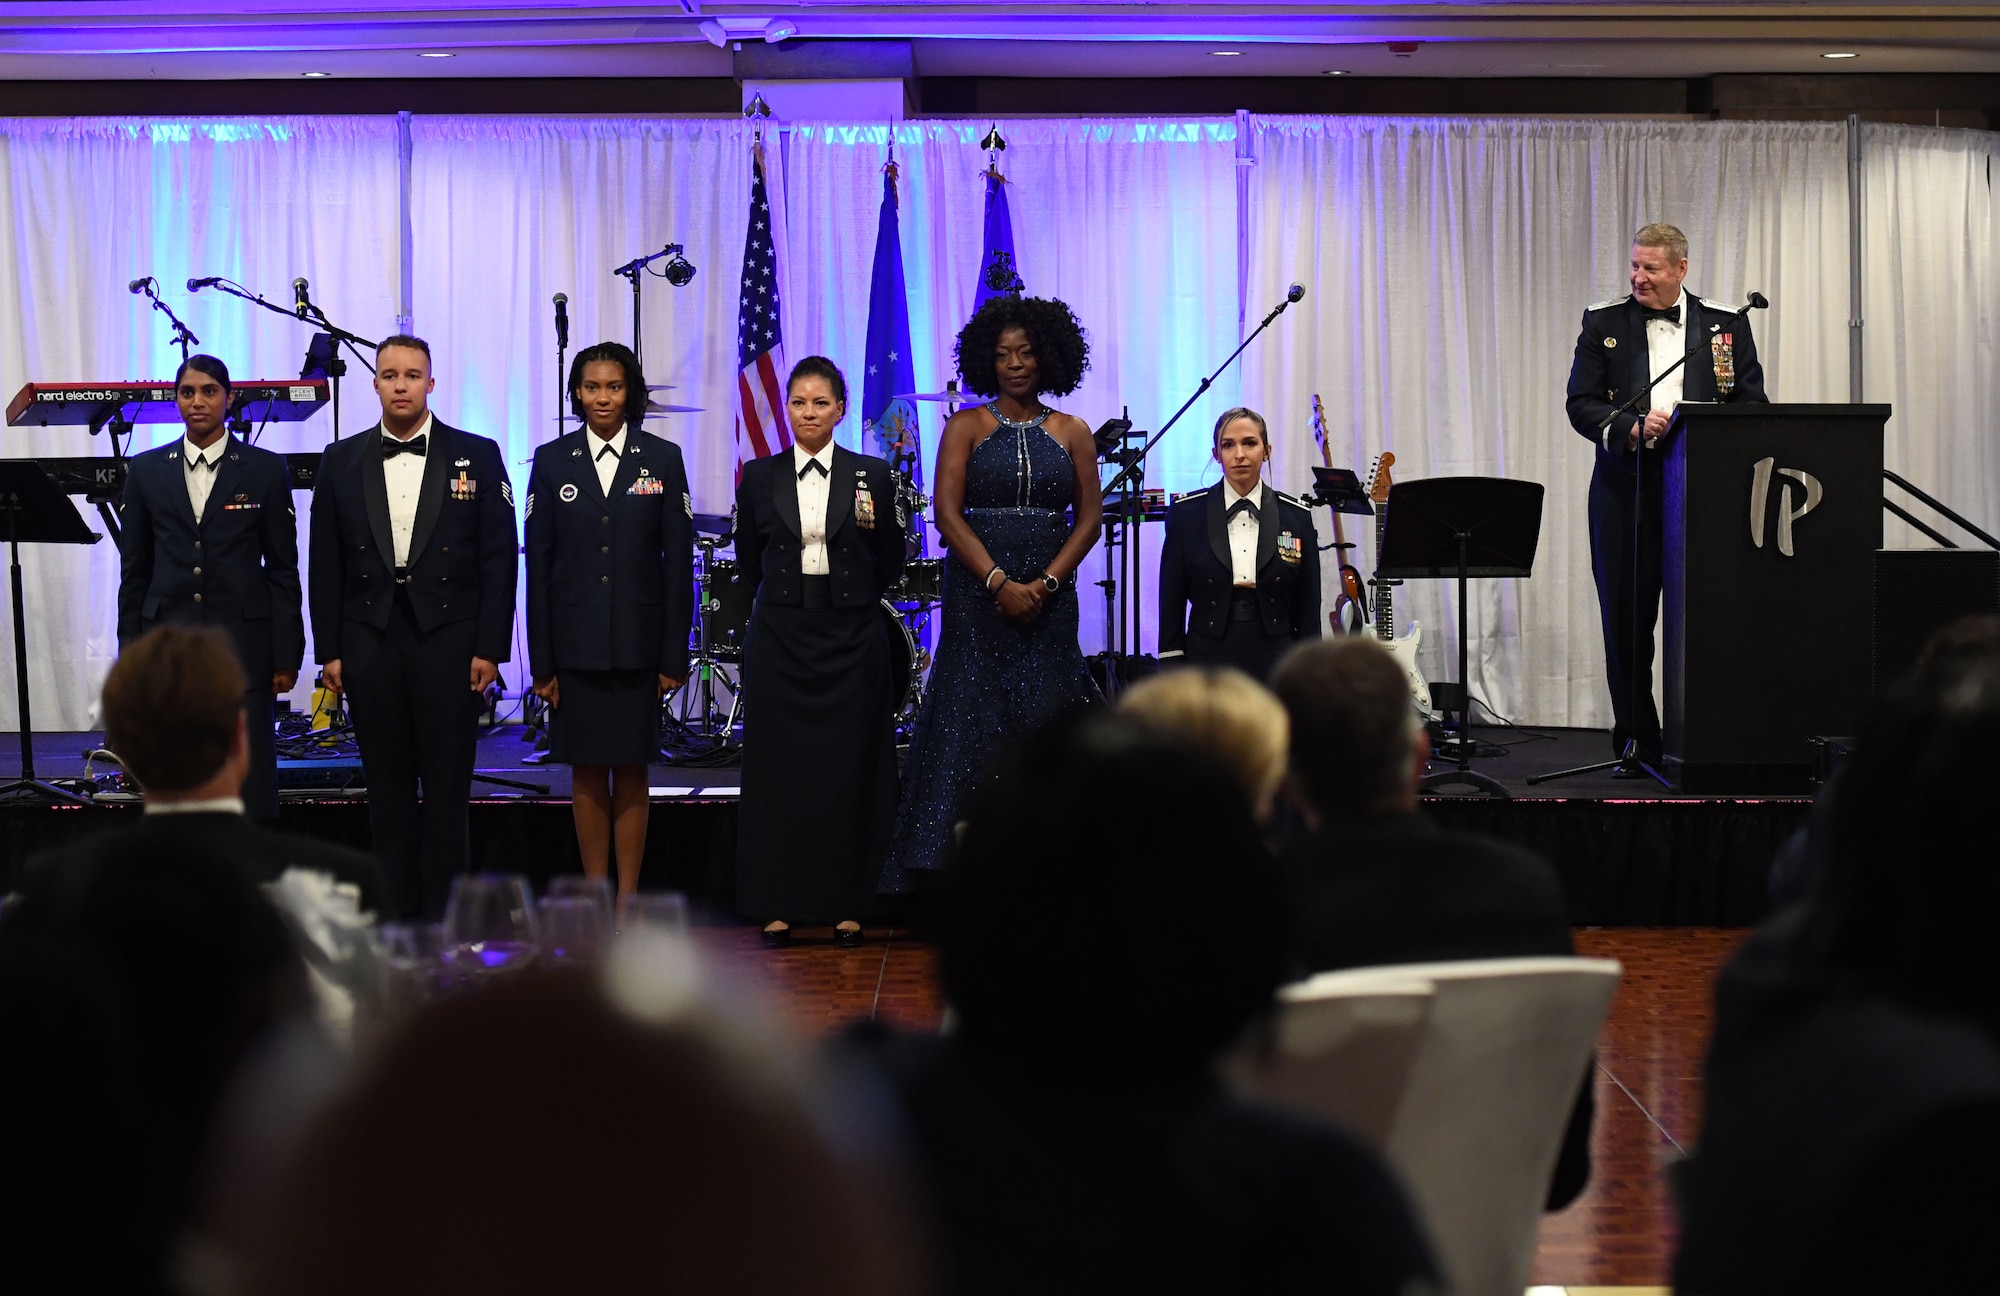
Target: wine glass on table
(490, 925)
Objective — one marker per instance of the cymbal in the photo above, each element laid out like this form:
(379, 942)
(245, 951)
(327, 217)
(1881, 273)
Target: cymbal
(659, 386)
(716, 524)
(948, 397)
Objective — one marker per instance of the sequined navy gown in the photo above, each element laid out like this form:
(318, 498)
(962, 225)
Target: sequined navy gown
(993, 678)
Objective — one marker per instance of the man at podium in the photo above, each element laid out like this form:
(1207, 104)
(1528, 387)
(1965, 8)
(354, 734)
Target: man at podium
(1623, 345)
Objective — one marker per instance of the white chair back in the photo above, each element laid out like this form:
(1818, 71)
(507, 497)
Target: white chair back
(1340, 1047)
(1487, 1104)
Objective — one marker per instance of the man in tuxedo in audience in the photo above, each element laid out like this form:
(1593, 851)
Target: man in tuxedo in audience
(210, 537)
(1624, 344)
(411, 579)
(173, 713)
(1374, 882)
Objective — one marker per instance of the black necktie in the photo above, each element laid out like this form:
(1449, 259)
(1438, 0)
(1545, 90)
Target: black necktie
(608, 449)
(416, 445)
(1243, 506)
(812, 465)
(1671, 315)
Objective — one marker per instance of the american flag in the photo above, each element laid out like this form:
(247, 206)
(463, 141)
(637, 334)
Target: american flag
(760, 355)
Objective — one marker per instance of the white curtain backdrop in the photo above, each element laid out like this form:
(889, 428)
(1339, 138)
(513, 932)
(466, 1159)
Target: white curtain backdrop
(1930, 298)
(1448, 263)
(89, 204)
(1133, 222)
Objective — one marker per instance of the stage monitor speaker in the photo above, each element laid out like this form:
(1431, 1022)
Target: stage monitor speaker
(1918, 591)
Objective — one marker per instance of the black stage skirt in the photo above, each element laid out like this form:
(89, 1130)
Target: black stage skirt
(819, 764)
(606, 717)
(1244, 644)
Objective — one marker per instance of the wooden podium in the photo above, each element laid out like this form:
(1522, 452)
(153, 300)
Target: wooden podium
(1772, 516)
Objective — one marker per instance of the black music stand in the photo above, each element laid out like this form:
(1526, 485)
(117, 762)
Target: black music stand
(37, 512)
(1461, 527)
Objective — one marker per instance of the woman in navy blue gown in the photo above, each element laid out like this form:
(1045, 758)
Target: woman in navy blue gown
(1018, 506)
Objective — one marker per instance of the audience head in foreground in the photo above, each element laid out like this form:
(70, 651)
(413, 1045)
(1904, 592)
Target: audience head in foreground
(1112, 923)
(173, 711)
(1225, 713)
(1853, 1083)
(1357, 745)
(1111, 906)
(477, 1155)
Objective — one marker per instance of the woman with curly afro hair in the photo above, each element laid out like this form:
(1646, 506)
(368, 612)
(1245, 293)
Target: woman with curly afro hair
(1018, 506)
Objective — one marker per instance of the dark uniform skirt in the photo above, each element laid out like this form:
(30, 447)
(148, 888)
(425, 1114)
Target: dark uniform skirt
(1244, 644)
(606, 717)
(819, 763)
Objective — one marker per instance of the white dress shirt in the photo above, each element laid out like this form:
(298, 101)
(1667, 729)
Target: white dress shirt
(814, 489)
(606, 464)
(1243, 530)
(1665, 343)
(404, 476)
(200, 479)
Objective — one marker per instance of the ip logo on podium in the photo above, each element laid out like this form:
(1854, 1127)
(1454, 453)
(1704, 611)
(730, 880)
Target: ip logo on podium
(1790, 508)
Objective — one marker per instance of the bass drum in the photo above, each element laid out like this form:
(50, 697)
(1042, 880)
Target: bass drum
(904, 657)
(725, 617)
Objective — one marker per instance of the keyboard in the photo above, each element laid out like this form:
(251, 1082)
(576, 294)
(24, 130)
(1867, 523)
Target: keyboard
(102, 480)
(93, 404)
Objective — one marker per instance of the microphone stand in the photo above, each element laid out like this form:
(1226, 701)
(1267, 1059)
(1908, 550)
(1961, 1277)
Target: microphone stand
(1629, 757)
(632, 270)
(184, 337)
(336, 367)
(1133, 468)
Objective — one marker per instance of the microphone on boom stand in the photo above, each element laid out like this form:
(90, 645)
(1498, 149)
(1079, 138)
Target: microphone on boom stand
(301, 301)
(562, 321)
(138, 286)
(196, 285)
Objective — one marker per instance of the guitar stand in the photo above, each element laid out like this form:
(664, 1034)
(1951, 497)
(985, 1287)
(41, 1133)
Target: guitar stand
(1460, 527)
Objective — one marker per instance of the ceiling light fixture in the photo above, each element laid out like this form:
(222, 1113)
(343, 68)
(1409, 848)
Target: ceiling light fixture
(1337, 72)
(437, 54)
(1226, 53)
(315, 75)
(1842, 54)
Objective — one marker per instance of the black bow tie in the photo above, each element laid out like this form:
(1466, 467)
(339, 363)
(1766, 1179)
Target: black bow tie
(1244, 506)
(416, 445)
(607, 449)
(202, 461)
(812, 465)
(1671, 315)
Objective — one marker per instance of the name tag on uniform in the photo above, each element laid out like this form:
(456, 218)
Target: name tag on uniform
(463, 487)
(647, 486)
(1289, 547)
(864, 509)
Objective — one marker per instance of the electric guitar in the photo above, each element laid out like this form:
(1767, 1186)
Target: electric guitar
(1350, 606)
(1404, 650)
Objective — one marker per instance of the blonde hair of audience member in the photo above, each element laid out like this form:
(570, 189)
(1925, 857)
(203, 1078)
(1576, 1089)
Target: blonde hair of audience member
(173, 712)
(1358, 747)
(1227, 713)
(475, 1156)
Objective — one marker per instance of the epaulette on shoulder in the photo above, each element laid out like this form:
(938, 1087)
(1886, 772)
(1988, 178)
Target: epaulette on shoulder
(1607, 305)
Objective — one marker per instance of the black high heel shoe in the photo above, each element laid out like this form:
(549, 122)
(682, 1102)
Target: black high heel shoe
(849, 939)
(776, 937)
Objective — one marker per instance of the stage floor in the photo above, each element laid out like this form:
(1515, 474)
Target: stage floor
(1511, 756)
(1630, 852)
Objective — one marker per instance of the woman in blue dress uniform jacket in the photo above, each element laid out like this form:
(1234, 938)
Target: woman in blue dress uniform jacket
(1239, 571)
(231, 562)
(819, 538)
(610, 540)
